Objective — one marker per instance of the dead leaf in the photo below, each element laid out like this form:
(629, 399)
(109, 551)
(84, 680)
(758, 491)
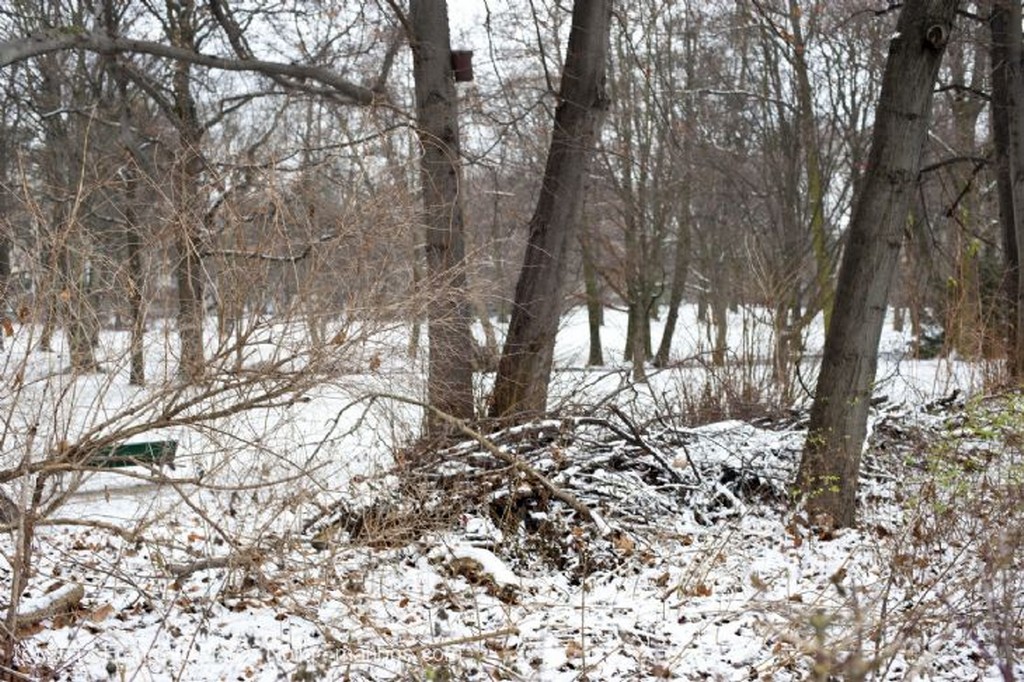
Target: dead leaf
(624, 544)
(661, 671)
(701, 589)
(100, 614)
(375, 362)
(8, 327)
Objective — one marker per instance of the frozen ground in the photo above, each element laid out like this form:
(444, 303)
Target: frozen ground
(299, 541)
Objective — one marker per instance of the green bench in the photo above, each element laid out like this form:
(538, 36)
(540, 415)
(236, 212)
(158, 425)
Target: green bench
(153, 453)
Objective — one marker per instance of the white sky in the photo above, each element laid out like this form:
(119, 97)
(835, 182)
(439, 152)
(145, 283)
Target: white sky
(465, 17)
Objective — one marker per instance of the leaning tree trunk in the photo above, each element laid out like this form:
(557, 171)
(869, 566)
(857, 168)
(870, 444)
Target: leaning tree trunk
(680, 267)
(1000, 107)
(831, 459)
(521, 386)
(450, 381)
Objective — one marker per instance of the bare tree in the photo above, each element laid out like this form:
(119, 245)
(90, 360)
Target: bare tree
(828, 472)
(521, 386)
(450, 384)
(1005, 80)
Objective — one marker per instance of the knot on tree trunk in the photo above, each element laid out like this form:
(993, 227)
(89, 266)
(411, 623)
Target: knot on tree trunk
(936, 36)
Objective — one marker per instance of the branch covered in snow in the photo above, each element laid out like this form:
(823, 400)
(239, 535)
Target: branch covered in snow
(60, 600)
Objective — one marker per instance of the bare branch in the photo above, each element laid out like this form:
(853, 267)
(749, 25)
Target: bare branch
(55, 40)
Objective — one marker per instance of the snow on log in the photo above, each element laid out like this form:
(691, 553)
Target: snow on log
(61, 600)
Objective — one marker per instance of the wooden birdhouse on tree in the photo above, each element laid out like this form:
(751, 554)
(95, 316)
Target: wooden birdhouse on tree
(462, 65)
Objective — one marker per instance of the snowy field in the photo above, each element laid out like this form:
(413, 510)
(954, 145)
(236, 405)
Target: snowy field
(301, 539)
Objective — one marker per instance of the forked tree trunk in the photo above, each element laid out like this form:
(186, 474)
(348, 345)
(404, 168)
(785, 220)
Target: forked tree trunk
(831, 460)
(450, 381)
(521, 386)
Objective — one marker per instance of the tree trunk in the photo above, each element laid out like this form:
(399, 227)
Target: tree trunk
(135, 280)
(720, 321)
(1001, 118)
(132, 236)
(816, 184)
(1014, 81)
(188, 268)
(188, 203)
(965, 314)
(595, 357)
(521, 386)
(680, 267)
(80, 316)
(6, 304)
(450, 381)
(831, 459)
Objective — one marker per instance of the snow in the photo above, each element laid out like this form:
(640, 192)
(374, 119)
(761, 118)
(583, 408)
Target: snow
(710, 576)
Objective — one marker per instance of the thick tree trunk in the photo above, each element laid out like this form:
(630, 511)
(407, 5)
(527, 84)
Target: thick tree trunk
(189, 267)
(1014, 81)
(1000, 107)
(831, 459)
(188, 203)
(450, 382)
(521, 386)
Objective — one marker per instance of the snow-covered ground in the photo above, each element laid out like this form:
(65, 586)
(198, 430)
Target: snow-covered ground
(301, 539)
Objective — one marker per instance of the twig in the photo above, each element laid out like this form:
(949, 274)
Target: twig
(247, 557)
(516, 463)
(469, 639)
(637, 439)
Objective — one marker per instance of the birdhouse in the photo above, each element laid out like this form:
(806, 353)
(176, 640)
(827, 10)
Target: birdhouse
(462, 65)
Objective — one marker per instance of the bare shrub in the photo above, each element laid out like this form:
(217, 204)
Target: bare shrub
(954, 566)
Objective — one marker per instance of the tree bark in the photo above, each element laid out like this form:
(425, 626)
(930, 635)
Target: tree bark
(189, 215)
(450, 381)
(595, 357)
(831, 460)
(815, 176)
(680, 268)
(133, 245)
(1001, 118)
(1014, 81)
(521, 386)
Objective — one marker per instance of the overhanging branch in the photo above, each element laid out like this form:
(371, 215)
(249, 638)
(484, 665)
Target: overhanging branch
(55, 40)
